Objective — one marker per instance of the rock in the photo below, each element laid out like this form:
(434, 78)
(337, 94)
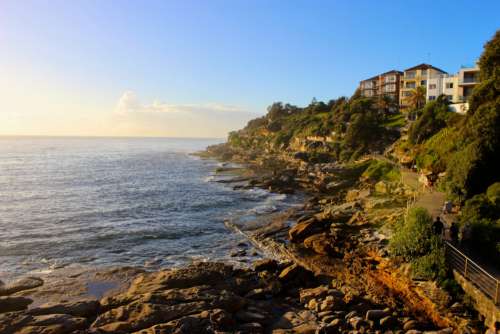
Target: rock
(351, 314)
(410, 324)
(252, 317)
(20, 285)
(265, 264)
(53, 324)
(250, 328)
(337, 323)
(331, 303)
(80, 309)
(241, 252)
(388, 322)
(11, 304)
(291, 272)
(304, 329)
(304, 229)
(413, 331)
(221, 319)
(357, 323)
(382, 187)
(313, 305)
(320, 243)
(325, 314)
(376, 314)
(328, 318)
(195, 323)
(307, 294)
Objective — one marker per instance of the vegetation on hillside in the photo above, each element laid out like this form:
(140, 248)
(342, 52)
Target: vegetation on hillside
(416, 243)
(342, 129)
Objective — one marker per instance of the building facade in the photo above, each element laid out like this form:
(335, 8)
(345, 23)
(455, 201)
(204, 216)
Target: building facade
(416, 76)
(385, 84)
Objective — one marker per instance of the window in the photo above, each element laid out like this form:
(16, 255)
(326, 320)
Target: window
(449, 85)
(410, 74)
(431, 98)
(391, 78)
(449, 97)
(424, 73)
(406, 94)
(410, 84)
(390, 88)
(432, 86)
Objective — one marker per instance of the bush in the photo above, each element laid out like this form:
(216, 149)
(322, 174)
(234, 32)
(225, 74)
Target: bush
(416, 243)
(379, 170)
(493, 194)
(434, 118)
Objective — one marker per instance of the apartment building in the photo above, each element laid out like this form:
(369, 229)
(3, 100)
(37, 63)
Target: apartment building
(414, 77)
(457, 88)
(383, 84)
(445, 84)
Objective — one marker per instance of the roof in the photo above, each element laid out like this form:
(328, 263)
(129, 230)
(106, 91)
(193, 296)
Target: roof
(424, 67)
(378, 75)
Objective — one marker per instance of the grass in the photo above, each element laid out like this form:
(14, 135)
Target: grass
(395, 121)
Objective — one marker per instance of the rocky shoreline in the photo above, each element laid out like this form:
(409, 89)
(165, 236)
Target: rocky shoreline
(328, 273)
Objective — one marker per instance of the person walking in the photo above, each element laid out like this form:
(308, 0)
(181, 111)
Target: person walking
(454, 232)
(437, 227)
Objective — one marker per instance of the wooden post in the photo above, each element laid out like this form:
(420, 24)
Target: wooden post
(465, 269)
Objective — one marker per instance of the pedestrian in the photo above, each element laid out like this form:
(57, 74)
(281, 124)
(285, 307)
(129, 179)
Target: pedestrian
(437, 227)
(465, 235)
(454, 232)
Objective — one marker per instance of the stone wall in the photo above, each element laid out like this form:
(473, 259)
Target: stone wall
(484, 304)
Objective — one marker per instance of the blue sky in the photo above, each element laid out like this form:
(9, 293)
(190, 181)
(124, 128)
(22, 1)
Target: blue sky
(67, 65)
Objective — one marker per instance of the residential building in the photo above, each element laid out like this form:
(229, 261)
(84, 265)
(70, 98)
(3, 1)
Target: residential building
(457, 87)
(444, 84)
(468, 78)
(383, 84)
(414, 77)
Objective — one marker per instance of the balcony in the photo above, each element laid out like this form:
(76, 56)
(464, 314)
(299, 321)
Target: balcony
(468, 81)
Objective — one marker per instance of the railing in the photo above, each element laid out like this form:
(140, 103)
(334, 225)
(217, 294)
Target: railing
(472, 272)
(468, 80)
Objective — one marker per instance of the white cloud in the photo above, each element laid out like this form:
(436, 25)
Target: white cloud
(129, 103)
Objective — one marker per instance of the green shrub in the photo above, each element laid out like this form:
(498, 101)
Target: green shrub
(493, 194)
(379, 170)
(415, 242)
(434, 117)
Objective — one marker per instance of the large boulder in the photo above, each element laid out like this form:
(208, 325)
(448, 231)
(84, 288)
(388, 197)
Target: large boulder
(20, 285)
(320, 243)
(11, 304)
(304, 229)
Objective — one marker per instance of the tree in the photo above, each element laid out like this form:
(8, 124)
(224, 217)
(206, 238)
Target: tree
(417, 97)
(434, 117)
(385, 103)
(475, 164)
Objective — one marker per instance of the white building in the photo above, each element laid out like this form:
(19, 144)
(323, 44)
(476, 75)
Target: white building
(457, 87)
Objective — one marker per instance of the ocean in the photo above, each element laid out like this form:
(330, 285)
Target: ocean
(145, 202)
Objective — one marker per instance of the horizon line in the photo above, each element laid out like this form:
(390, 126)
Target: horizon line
(97, 137)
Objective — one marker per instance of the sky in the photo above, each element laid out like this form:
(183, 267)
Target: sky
(203, 68)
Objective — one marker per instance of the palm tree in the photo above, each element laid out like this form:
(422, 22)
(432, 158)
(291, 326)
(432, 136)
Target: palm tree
(385, 103)
(417, 97)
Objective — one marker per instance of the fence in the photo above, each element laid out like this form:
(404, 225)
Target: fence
(472, 272)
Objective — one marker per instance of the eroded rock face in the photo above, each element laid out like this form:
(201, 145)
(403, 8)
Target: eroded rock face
(20, 285)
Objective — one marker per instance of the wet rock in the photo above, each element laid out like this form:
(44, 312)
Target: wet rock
(20, 285)
(80, 309)
(265, 264)
(11, 304)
